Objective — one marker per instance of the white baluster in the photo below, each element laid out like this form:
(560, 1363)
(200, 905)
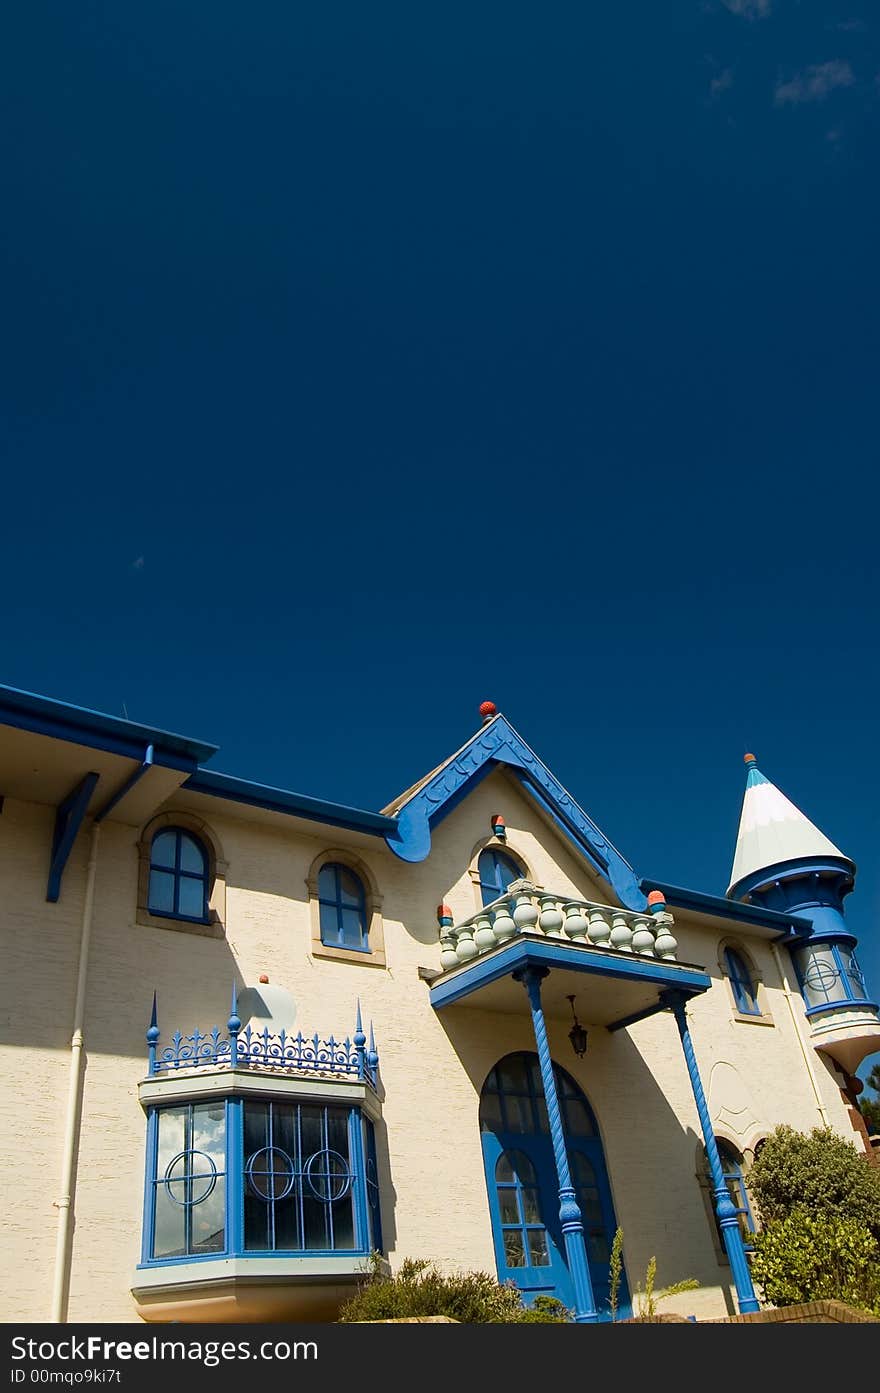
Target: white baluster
(550, 920)
(465, 948)
(643, 938)
(599, 931)
(503, 924)
(575, 922)
(621, 933)
(525, 915)
(484, 934)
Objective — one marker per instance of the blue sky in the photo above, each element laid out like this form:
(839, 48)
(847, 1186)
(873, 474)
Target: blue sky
(363, 362)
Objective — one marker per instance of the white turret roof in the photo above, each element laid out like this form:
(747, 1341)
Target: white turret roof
(772, 830)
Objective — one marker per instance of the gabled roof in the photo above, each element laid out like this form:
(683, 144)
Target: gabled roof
(498, 745)
(773, 832)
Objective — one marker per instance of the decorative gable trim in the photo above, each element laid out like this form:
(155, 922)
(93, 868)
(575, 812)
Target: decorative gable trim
(498, 744)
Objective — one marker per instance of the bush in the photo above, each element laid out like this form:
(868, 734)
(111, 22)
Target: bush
(820, 1173)
(811, 1257)
(419, 1289)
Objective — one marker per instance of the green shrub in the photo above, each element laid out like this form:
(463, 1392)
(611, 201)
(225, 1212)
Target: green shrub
(819, 1172)
(811, 1257)
(420, 1289)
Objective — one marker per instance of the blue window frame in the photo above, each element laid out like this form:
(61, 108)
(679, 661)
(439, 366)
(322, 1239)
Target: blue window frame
(523, 1187)
(342, 908)
(731, 1166)
(497, 871)
(188, 1184)
(252, 1176)
(829, 974)
(178, 876)
(744, 991)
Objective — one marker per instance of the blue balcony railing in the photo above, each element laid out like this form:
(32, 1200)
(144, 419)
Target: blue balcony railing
(238, 1048)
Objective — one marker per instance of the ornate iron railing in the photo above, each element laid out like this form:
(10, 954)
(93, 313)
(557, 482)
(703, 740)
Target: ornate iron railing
(238, 1048)
(527, 908)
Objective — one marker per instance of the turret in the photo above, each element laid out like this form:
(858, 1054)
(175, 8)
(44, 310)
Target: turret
(783, 862)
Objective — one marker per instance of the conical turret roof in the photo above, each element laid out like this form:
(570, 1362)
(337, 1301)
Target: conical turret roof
(773, 831)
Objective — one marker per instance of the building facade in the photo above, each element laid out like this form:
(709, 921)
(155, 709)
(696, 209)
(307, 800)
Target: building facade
(251, 1037)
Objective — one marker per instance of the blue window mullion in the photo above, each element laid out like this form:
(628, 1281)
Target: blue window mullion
(235, 1181)
(152, 1161)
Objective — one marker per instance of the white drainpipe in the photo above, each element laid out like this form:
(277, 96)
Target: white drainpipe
(74, 1097)
(805, 1047)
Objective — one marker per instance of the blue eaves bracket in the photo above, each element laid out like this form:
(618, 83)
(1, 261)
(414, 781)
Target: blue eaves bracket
(68, 820)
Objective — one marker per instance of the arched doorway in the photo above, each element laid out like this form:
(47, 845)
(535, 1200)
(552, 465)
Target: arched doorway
(523, 1186)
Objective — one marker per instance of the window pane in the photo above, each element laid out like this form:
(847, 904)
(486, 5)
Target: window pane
(329, 918)
(209, 1131)
(513, 1165)
(514, 1255)
(518, 1112)
(540, 1257)
(287, 1234)
(531, 1212)
(316, 1215)
(508, 1206)
(311, 1123)
(581, 1169)
(256, 1120)
(284, 1130)
(350, 888)
(352, 928)
(161, 899)
(512, 1075)
(343, 1224)
(327, 888)
(208, 1221)
(257, 1220)
(579, 1121)
(543, 1119)
(192, 897)
(490, 1113)
(164, 849)
(591, 1209)
(191, 858)
(597, 1248)
(172, 1124)
(169, 1239)
(820, 976)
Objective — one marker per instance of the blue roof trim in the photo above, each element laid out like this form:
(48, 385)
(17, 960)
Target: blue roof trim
(520, 952)
(95, 729)
(681, 898)
(499, 743)
(795, 867)
(279, 800)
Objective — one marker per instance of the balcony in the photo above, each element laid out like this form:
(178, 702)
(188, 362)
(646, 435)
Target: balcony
(262, 1174)
(617, 961)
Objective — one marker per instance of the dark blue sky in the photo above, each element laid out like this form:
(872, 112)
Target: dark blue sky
(362, 362)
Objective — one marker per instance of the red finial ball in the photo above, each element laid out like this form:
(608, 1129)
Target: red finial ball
(263, 977)
(488, 708)
(749, 759)
(656, 897)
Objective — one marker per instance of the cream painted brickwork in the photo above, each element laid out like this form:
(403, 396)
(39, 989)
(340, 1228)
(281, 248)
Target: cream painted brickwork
(434, 1200)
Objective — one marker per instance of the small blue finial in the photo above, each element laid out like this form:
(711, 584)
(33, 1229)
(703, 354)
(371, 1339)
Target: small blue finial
(233, 1025)
(153, 1031)
(373, 1053)
(153, 1036)
(360, 1038)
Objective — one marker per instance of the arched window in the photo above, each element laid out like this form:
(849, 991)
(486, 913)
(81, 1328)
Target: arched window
(731, 1166)
(342, 906)
(745, 992)
(178, 876)
(497, 871)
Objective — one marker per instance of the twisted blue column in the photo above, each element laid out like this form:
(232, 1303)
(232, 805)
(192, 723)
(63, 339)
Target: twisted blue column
(569, 1212)
(724, 1206)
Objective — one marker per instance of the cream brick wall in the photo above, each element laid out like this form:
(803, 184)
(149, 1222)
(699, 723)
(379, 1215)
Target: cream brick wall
(434, 1198)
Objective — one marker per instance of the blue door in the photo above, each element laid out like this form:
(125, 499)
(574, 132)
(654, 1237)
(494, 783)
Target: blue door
(523, 1186)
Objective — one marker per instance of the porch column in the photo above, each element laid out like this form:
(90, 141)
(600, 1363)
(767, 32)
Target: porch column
(724, 1206)
(569, 1212)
